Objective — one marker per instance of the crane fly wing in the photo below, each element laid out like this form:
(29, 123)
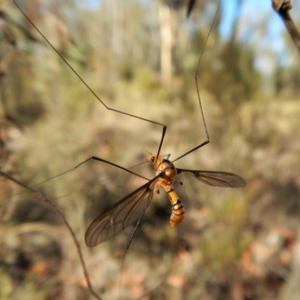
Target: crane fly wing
(120, 215)
(216, 178)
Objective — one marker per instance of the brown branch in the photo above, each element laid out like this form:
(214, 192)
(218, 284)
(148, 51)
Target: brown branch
(190, 7)
(282, 7)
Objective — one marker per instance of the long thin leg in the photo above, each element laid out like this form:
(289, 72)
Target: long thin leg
(112, 164)
(164, 127)
(198, 92)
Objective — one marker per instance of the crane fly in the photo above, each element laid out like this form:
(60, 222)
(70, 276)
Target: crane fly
(132, 207)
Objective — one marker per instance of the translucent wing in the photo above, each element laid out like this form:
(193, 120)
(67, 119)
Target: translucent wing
(216, 178)
(120, 215)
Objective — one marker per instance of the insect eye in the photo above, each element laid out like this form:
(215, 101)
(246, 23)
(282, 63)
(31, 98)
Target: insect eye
(152, 158)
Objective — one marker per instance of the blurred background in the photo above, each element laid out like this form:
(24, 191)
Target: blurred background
(140, 57)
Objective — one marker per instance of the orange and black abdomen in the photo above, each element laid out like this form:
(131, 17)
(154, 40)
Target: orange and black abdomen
(177, 208)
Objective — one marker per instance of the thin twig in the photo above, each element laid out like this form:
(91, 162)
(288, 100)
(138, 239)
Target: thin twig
(65, 222)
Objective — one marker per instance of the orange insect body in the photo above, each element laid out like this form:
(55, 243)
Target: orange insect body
(169, 172)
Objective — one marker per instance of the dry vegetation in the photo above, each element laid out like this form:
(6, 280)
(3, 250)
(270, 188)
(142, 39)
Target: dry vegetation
(233, 244)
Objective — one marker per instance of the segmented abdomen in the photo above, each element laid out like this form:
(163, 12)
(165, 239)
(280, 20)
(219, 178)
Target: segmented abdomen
(177, 208)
